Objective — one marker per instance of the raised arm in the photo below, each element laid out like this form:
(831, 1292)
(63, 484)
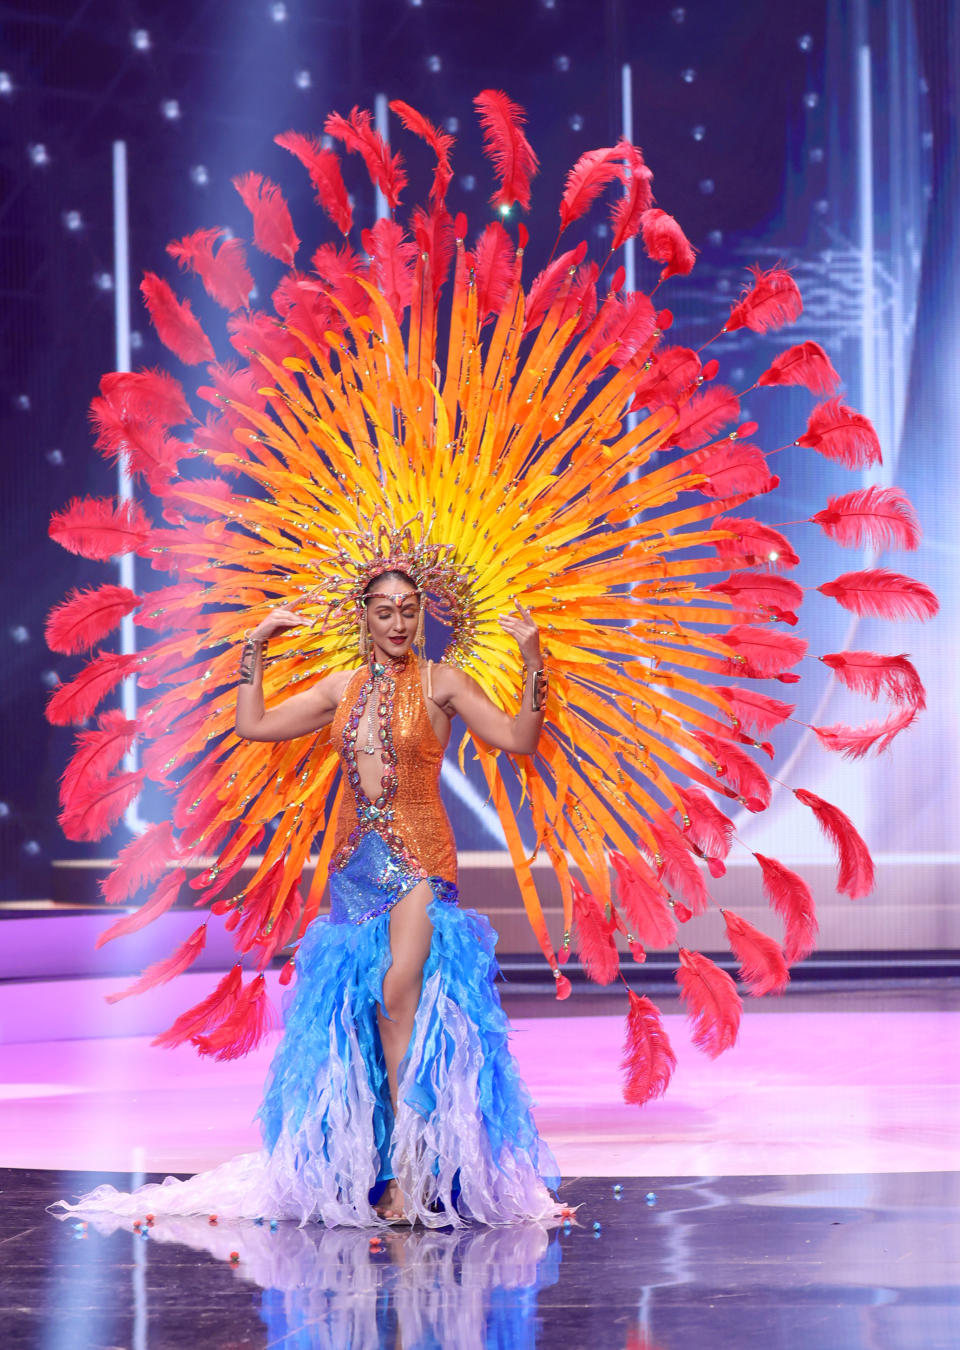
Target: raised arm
(295, 716)
(457, 693)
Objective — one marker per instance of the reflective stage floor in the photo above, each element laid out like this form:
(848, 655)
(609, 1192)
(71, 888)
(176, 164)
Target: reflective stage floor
(799, 1193)
(810, 1263)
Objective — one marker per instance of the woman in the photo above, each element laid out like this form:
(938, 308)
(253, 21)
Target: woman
(394, 1074)
(394, 869)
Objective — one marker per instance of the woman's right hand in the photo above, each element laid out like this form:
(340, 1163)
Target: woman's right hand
(277, 621)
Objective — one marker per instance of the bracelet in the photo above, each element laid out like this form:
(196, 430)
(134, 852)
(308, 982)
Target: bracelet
(248, 657)
(541, 687)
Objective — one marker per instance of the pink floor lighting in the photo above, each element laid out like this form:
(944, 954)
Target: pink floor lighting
(803, 1092)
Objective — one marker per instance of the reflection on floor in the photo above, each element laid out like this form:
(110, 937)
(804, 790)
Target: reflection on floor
(810, 1263)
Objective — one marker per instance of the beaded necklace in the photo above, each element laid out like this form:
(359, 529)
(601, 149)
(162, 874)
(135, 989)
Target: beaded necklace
(376, 698)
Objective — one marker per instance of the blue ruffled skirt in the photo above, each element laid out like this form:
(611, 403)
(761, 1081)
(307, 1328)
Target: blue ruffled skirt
(463, 1139)
(463, 1144)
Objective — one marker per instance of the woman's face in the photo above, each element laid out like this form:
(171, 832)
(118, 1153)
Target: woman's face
(392, 614)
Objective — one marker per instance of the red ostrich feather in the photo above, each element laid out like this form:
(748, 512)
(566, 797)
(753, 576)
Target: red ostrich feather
(713, 1003)
(273, 230)
(666, 243)
(648, 1059)
(773, 300)
(842, 434)
(881, 594)
(323, 166)
(223, 271)
(762, 965)
(506, 147)
(872, 517)
(855, 875)
(177, 326)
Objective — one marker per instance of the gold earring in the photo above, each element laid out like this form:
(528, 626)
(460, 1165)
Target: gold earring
(418, 639)
(364, 638)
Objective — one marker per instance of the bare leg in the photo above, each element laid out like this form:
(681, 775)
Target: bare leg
(411, 933)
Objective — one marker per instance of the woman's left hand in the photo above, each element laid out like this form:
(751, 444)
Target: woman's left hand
(522, 627)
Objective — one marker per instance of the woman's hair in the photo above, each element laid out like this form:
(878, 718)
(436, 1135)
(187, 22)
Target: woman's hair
(374, 583)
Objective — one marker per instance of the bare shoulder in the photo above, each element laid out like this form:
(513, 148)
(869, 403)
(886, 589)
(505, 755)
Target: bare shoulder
(448, 681)
(339, 680)
(331, 689)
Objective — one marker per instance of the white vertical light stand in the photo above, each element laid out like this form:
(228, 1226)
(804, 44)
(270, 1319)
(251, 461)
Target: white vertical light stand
(630, 247)
(626, 129)
(868, 337)
(121, 315)
(382, 122)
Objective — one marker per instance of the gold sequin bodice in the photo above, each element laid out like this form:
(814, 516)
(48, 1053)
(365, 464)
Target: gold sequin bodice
(411, 818)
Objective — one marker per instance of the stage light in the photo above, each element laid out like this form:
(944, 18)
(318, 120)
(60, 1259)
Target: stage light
(6, 83)
(303, 79)
(805, 42)
(576, 122)
(199, 176)
(136, 339)
(715, 237)
(278, 12)
(821, 207)
(72, 220)
(689, 75)
(452, 124)
(170, 108)
(19, 634)
(22, 402)
(434, 64)
(415, 4)
(504, 210)
(54, 457)
(678, 14)
(926, 140)
(811, 98)
(816, 155)
(601, 229)
(706, 186)
(38, 154)
(698, 133)
(561, 63)
(49, 679)
(140, 40)
(468, 182)
(549, 4)
(103, 281)
(31, 848)
(4, 810)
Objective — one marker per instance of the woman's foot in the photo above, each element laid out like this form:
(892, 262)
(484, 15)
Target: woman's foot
(391, 1205)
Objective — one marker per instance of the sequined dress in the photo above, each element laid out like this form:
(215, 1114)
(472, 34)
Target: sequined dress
(463, 1144)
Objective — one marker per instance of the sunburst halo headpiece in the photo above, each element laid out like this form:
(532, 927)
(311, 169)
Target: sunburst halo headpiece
(445, 583)
(498, 445)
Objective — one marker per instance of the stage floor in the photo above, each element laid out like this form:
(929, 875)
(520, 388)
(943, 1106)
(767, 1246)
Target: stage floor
(800, 1191)
(816, 1084)
(860, 1262)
